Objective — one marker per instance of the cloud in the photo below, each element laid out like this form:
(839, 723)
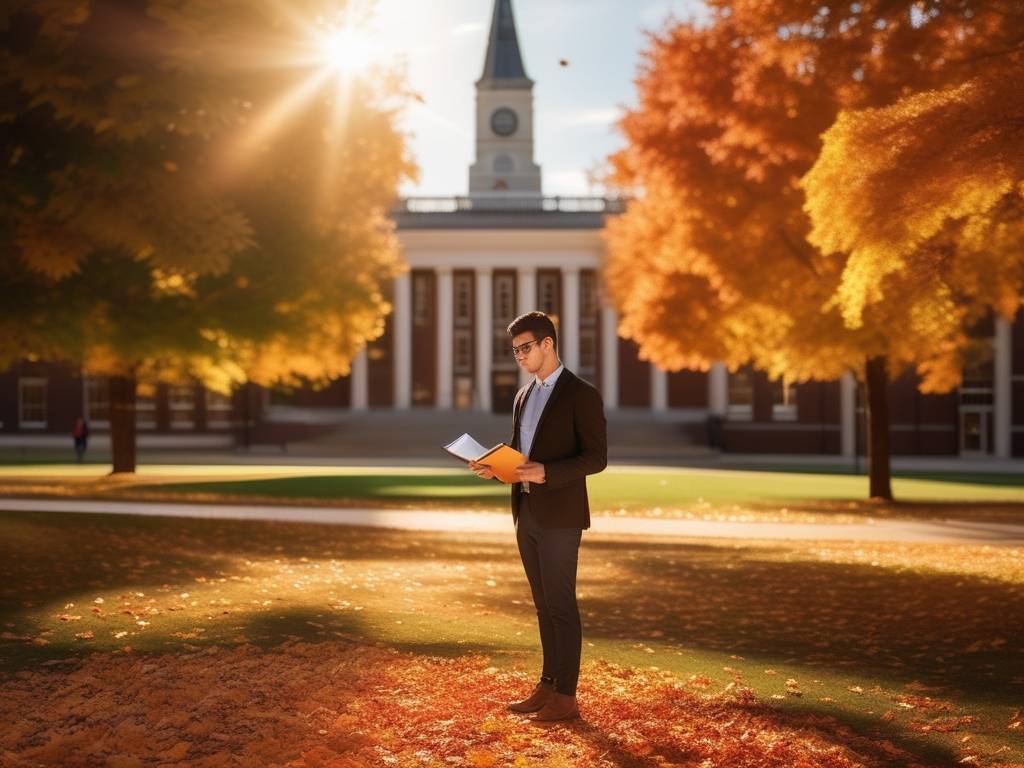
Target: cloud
(468, 28)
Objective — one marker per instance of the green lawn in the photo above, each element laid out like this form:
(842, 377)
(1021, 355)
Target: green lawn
(775, 493)
(918, 644)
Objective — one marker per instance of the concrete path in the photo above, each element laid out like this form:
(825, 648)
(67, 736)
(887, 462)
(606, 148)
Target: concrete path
(937, 531)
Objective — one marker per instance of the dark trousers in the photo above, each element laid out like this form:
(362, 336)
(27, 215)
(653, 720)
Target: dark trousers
(549, 558)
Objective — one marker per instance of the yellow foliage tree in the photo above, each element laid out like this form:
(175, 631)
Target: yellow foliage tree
(192, 192)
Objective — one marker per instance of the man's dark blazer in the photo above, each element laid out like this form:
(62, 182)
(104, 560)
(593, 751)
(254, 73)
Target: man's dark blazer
(571, 441)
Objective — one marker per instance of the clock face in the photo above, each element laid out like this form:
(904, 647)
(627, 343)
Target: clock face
(504, 121)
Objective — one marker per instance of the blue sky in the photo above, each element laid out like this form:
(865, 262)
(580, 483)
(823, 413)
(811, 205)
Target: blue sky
(443, 44)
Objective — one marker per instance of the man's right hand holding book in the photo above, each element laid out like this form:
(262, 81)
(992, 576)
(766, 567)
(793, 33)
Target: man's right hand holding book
(482, 470)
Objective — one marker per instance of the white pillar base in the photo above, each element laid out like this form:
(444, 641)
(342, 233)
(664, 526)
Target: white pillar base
(526, 301)
(848, 415)
(659, 389)
(360, 400)
(718, 389)
(402, 325)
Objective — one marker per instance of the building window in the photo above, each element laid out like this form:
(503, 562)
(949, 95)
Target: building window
(32, 402)
(976, 388)
(422, 299)
(463, 290)
(783, 400)
(588, 295)
(504, 312)
(463, 362)
(589, 325)
(588, 349)
(181, 406)
(462, 339)
(218, 410)
(741, 395)
(549, 293)
(96, 396)
(145, 412)
(504, 298)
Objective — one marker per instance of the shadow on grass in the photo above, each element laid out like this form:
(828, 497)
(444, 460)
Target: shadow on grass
(951, 630)
(266, 630)
(982, 511)
(1004, 479)
(384, 487)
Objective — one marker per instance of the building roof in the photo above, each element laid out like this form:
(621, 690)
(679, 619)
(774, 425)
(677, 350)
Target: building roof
(503, 65)
(505, 212)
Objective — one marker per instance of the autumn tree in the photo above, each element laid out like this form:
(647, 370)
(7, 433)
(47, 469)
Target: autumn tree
(930, 188)
(192, 192)
(712, 259)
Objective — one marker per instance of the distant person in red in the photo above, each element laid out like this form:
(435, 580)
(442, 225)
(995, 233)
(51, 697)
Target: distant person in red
(81, 434)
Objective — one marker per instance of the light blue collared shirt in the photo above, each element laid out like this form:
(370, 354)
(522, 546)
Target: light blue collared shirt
(532, 410)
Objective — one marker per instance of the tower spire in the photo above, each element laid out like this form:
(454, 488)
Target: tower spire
(503, 65)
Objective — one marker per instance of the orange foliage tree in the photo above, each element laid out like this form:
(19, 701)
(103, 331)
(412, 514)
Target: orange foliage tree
(189, 193)
(712, 259)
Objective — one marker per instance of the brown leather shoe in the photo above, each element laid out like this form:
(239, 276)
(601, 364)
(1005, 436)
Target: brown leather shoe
(535, 701)
(561, 707)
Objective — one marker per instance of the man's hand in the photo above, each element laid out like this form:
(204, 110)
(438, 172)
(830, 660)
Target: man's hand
(531, 471)
(481, 470)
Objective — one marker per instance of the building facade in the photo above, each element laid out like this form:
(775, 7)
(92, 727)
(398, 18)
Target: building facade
(475, 263)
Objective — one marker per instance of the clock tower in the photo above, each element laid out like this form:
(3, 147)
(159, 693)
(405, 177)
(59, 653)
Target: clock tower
(504, 117)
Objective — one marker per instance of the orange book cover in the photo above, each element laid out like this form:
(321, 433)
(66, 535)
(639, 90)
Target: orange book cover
(502, 459)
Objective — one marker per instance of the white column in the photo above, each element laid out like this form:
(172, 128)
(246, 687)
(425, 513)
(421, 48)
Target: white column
(848, 415)
(445, 360)
(570, 331)
(526, 290)
(402, 325)
(610, 357)
(360, 382)
(1002, 417)
(526, 301)
(484, 332)
(718, 389)
(659, 389)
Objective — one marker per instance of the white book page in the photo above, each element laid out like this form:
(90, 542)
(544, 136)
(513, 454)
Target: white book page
(466, 448)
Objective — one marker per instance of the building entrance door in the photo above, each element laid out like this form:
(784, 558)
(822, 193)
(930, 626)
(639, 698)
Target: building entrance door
(975, 431)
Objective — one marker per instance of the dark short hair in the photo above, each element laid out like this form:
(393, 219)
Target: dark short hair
(537, 323)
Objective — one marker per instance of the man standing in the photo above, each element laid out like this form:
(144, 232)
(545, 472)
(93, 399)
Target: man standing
(559, 425)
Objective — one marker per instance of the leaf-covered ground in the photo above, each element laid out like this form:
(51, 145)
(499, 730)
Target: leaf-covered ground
(343, 704)
(180, 641)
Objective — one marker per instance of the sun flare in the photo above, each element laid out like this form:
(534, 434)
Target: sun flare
(345, 50)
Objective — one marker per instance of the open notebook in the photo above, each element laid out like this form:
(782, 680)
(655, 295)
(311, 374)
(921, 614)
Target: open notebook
(501, 459)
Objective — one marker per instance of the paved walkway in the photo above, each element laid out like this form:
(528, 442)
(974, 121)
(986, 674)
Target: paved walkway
(937, 531)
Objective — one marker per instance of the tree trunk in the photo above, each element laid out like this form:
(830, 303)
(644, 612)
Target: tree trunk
(877, 380)
(122, 422)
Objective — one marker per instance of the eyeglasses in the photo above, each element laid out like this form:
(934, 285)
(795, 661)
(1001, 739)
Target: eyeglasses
(524, 349)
